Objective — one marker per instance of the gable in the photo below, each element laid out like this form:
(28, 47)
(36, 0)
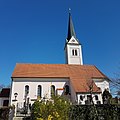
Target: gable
(73, 41)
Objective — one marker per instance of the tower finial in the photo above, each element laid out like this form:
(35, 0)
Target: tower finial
(69, 10)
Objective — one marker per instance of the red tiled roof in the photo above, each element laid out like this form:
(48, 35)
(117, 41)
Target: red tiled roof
(79, 74)
(5, 92)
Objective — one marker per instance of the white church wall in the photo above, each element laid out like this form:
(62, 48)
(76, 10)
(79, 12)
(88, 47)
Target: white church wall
(102, 83)
(84, 96)
(19, 87)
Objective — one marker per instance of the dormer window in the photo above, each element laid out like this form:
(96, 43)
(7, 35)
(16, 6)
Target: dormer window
(74, 52)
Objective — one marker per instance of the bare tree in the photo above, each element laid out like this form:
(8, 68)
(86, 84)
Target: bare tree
(4, 86)
(115, 85)
(90, 89)
(90, 85)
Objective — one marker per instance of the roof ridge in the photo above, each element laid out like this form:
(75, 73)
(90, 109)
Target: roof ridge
(39, 64)
(52, 64)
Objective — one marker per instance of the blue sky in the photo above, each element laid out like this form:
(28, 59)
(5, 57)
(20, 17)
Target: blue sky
(34, 31)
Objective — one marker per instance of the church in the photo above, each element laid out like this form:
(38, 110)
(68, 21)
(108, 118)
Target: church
(74, 80)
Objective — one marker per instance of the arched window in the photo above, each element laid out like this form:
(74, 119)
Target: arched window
(96, 97)
(67, 90)
(39, 91)
(81, 97)
(75, 52)
(52, 90)
(26, 90)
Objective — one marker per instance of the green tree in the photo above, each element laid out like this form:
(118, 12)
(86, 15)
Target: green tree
(55, 109)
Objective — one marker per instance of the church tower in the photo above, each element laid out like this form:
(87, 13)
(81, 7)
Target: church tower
(73, 49)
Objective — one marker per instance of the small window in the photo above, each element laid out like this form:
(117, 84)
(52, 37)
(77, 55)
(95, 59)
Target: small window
(96, 97)
(5, 102)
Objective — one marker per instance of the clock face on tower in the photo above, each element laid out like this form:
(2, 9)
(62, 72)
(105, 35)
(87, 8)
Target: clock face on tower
(73, 40)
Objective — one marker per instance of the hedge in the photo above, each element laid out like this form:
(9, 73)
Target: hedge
(4, 113)
(94, 112)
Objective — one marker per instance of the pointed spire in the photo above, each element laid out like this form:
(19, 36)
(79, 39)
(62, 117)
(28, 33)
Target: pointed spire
(71, 31)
